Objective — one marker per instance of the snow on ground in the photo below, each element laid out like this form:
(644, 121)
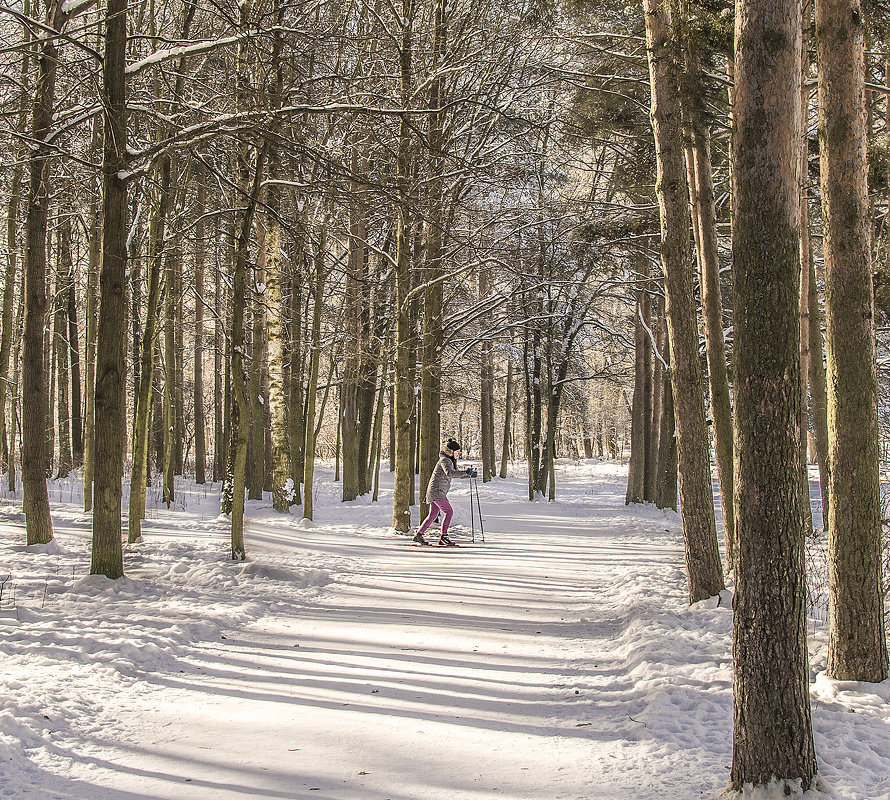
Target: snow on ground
(556, 660)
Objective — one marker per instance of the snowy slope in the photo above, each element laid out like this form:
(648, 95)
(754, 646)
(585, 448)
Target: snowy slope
(557, 660)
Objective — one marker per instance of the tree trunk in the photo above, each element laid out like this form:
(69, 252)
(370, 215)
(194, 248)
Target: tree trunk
(377, 445)
(486, 392)
(805, 258)
(170, 302)
(640, 411)
(818, 389)
(857, 648)
(178, 364)
(64, 281)
(403, 491)
(704, 571)
(312, 386)
(144, 397)
(508, 420)
(659, 348)
(219, 437)
(6, 321)
(705, 222)
(198, 396)
(74, 359)
(351, 421)
(773, 736)
(282, 478)
(49, 362)
(257, 401)
(34, 375)
(89, 427)
(107, 554)
(666, 485)
(15, 396)
(246, 197)
(295, 420)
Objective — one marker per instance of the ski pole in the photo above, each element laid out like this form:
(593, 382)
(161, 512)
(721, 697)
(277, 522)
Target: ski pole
(472, 522)
(479, 509)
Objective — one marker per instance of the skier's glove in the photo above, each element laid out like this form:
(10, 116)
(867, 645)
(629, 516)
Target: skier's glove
(472, 473)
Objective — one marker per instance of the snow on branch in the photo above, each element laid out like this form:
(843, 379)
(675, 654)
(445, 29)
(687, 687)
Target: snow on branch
(183, 50)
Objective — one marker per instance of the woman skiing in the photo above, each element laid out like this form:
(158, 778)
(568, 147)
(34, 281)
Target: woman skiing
(437, 492)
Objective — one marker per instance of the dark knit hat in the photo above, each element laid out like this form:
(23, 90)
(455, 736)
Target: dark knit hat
(452, 445)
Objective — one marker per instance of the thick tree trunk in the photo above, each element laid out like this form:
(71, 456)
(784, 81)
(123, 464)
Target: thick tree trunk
(403, 491)
(773, 737)
(34, 383)
(704, 571)
(282, 478)
(249, 178)
(107, 554)
(857, 647)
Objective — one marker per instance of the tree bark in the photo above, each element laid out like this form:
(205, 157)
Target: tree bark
(257, 351)
(295, 420)
(170, 303)
(6, 321)
(107, 554)
(74, 361)
(312, 386)
(508, 420)
(403, 491)
(198, 395)
(219, 438)
(249, 177)
(144, 396)
(64, 279)
(857, 648)
(282, 478)
(659, 347)
(34, 374)
(89, 427)
(705, 222)
(773, 737)
(704, 572)
(641, 412)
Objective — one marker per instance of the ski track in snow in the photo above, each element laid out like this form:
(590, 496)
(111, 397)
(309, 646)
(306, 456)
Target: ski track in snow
(557, 661)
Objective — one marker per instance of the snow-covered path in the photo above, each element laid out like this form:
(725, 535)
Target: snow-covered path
(556, 661)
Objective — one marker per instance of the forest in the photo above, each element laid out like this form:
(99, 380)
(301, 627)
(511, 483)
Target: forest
(249, 241)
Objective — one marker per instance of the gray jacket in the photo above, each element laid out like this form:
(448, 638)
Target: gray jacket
(440, 480)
